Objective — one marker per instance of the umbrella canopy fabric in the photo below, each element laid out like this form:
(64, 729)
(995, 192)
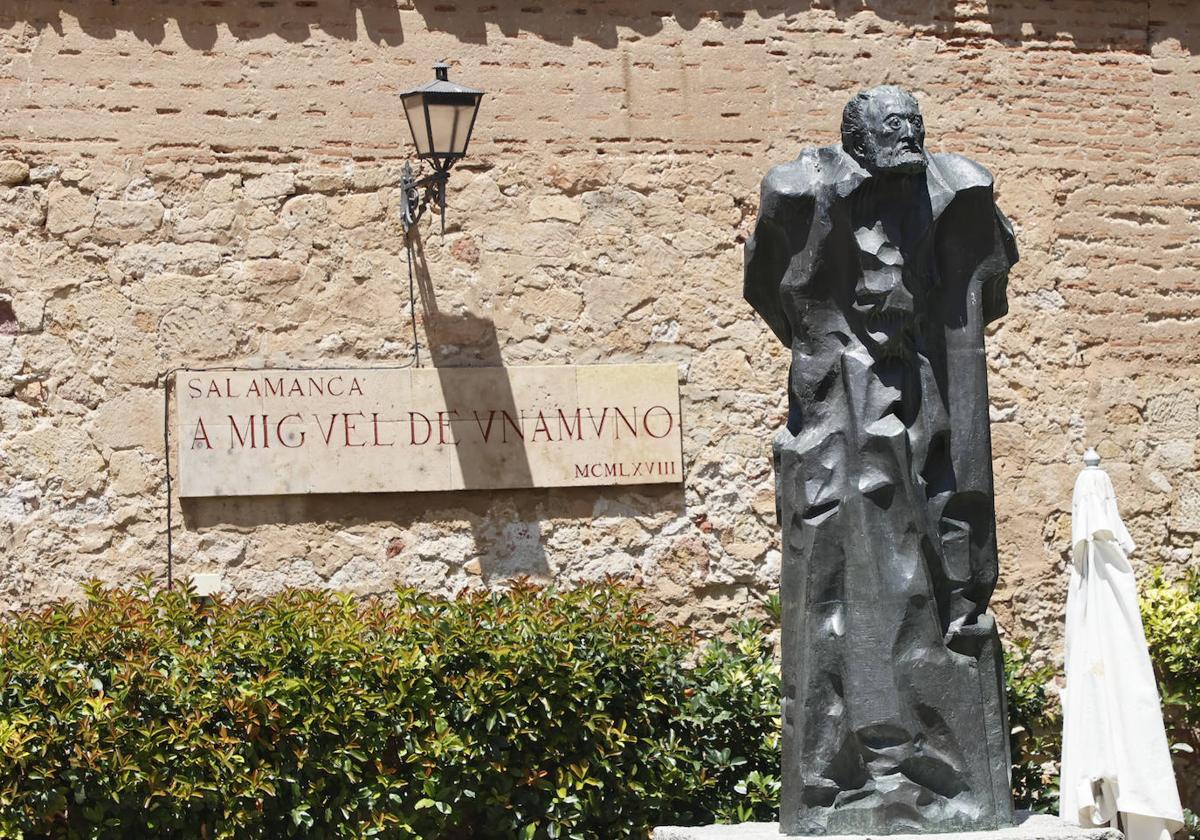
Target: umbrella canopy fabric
(1115, 754)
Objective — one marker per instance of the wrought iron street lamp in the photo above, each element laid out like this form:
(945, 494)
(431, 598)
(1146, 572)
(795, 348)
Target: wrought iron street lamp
(441, 116)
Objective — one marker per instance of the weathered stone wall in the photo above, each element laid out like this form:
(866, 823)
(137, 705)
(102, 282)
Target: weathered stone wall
(215, 184)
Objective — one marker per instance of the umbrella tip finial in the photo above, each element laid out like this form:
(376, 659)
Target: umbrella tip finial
(1091, 458)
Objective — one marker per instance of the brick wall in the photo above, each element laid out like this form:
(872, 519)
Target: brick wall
(215, 183)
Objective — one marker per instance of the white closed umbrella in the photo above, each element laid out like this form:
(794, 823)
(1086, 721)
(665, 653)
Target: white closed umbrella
(1115, 754)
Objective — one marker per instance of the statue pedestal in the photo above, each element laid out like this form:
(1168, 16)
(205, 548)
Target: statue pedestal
(1029, 827)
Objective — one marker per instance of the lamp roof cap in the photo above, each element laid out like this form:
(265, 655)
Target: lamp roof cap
(442, 83)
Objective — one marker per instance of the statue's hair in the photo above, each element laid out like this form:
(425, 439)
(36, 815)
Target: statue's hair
(854, 126)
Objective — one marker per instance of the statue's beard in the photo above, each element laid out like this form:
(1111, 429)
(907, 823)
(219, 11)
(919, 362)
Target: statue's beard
(901, 159)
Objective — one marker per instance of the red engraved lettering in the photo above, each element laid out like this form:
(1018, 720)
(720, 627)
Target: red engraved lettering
(274, 389)
(253, 389)
(326, 432)
(329, 386)
(284, 438)
(632, 427)
(349, 426)
(509, 421)
(603, 416)
(316, 386)
(670, 418)
(581, 471)
(375, 426)
(412, 420)
(236, 432)
(201, 435)
(194, 388)
(297, 390)
(444, 427)
(485, 432)
(565, 432)
(355, 388)
(541, 426)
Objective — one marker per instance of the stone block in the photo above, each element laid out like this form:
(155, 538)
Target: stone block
(69, 210)
(355, 210)
(555, 207)
(13, 172)
(223, 189)
(273, 186)
(143, 216)
(22, 208)
(130, 420)
(64, 453)
(193, 258)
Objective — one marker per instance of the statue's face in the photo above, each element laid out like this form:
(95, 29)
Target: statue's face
(895, 135)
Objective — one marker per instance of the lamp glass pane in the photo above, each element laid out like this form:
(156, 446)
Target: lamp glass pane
(451, 124)
(414, 108)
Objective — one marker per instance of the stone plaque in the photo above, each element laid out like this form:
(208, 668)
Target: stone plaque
(380, 430)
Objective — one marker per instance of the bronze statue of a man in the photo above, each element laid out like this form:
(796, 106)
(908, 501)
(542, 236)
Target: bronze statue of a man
(879, 265)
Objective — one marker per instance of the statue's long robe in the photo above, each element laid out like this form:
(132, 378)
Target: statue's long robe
(894, 714)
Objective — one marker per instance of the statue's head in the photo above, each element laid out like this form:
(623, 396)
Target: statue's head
(882, 130)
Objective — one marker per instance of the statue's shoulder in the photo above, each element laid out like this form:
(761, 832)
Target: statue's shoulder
(961, 173)
(814, 174)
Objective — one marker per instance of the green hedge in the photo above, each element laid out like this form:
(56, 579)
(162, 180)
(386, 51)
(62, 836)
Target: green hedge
(525, 714)
(1171, 617)
(1035, 721)
(528, 714)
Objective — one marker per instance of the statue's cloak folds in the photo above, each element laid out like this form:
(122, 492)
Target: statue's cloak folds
(894, 714)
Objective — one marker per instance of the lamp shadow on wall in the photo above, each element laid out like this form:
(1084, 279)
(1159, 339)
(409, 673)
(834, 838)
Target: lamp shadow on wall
(509, 532)
(508, 539)
(506, 524)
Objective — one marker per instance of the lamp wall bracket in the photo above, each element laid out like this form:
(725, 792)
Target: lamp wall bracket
(418, 193)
